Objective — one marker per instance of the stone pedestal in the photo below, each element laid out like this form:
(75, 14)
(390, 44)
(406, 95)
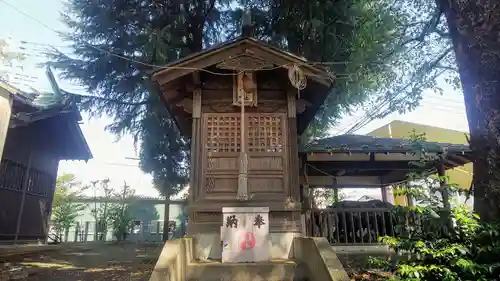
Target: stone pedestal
(245, 234)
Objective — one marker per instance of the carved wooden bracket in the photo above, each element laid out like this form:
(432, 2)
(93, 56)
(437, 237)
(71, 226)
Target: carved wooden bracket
(186, 104)
(302, 105)
(244, 62)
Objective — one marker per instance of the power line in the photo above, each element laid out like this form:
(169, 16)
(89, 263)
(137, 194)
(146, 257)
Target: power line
(153, 65)
(378, 110)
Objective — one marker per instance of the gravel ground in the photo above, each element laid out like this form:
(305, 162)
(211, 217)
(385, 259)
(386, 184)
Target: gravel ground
(111, 262)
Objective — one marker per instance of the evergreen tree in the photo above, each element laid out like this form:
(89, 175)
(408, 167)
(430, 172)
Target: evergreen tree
(374, 47)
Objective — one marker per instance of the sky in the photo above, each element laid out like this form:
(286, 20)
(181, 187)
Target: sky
(37, 30)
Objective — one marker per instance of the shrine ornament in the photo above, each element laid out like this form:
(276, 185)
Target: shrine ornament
(297, 78)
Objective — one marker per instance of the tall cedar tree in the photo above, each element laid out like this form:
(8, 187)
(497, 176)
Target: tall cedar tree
(474, 26)
(367, 45)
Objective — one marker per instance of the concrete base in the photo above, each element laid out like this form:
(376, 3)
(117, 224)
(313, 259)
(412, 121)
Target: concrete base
(276, 270)
(208, 246)
(317, 260)
(320, 259)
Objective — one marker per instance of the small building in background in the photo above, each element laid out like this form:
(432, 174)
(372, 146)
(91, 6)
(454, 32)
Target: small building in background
(461, 175)
(32, 142)
(147, 225)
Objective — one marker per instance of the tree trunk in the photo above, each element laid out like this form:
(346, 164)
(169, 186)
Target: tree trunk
(166, 219)
(474, 26)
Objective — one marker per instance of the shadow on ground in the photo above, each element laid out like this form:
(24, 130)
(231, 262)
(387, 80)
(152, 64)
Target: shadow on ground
(125, 261)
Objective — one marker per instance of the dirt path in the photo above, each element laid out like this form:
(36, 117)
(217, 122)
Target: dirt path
(99, 262)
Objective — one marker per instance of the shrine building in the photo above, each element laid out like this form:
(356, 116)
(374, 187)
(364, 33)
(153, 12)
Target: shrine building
(243, 156)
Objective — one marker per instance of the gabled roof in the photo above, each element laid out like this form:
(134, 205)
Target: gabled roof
(172, 78)
(256, 48)
(64, 116)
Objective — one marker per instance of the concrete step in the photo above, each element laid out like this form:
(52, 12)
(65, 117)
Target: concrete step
(276, 270)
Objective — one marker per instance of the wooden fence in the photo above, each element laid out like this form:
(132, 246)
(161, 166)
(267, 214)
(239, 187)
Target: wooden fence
(350, 225)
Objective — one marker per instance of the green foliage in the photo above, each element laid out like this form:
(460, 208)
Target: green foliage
(143, 211)
(120, 215)
(451, 247)
(440, 243)
(378, 50)
(65, 209)
(102, 210)
(326, 196)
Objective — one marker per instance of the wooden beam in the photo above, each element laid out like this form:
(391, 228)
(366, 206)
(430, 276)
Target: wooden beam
(386, 166)
(338, 157)
(342, 180)
(398, 157)
(198, 63)
(461, 159)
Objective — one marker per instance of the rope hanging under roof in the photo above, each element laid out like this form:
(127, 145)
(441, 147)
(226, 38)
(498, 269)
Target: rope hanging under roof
(297, 78)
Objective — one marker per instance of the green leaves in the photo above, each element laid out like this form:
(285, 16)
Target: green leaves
(65, 208)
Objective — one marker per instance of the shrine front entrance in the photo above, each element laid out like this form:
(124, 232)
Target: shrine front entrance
(265, 147)
(268, 187)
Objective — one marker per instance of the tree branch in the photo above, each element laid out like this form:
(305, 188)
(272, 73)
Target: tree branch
(116, 101)
(210, 8)
(446, 67)
(430, 27)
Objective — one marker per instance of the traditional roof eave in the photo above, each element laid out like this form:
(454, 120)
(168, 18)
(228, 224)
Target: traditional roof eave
(9, 88)
(258, 49)
(368, 144)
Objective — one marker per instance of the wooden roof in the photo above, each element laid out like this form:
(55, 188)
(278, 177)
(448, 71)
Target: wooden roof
(60, 121)
(358, 155)
(318, 85)
(361, 143)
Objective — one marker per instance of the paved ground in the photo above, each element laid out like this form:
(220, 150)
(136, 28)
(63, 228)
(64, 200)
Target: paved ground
(113, 262)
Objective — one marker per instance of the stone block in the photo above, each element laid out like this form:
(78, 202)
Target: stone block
(245, 234)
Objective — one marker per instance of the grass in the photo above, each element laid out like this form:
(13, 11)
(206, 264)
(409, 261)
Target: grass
(113, 262)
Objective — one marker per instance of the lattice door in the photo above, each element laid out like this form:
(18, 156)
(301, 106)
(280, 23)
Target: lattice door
(222, 133)
(265, 133)
(265, 143)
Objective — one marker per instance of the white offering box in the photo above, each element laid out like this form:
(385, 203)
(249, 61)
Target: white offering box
(245, 234)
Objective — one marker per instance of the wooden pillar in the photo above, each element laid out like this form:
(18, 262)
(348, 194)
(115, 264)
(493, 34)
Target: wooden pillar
(383, 189)
(443, 182)
(5, 113)
(293, 146)
(335, 191)
(196, 142)
(26, 182)
(197, 146)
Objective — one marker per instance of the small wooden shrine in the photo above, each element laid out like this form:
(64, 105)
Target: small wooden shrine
(35, 139)
(244, 104)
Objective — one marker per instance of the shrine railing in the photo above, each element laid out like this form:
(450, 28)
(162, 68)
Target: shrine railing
(350, 225)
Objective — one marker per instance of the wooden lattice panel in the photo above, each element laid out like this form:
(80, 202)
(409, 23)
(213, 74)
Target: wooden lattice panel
(265, 133)
(223, 133)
